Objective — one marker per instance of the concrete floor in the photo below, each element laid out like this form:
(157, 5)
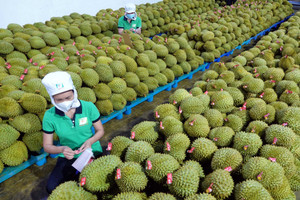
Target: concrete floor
(30, 183)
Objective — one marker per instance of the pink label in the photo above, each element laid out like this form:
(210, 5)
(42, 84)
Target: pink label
(267, 116)
(25, 71)
(257, 75)
(73, 43)
(35, 64)
(209, 189)
(274, 140)
(95, 52)
(206, 92)
(118, 176)
(67, 58)
(77, 52)
(90, 42)
(259, 176)
(212, 103)
(229, 169)
(156, 114)
(168, 146)
(132, 135)
(83, 181)
(180, 111)
(52, 53)
(222, 89)
(51, 60)
(109, 146)
(261, 95)
(161, 125)
(30, 60)
(22, 77)
(8, 66)
(62, 48)
(82, 55)
(191, 150)
(285, 124)
(174, 102)
(192, 122)
(149, 165)
(215, 139)
(272, 159)
(109, 41)
(225, 119)
(169, 178)
(246, 147)
(289, 92)
(41, 67)
(99, 47)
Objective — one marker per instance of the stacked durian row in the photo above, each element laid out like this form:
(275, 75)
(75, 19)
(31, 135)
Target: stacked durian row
(234, 135)
(104, 69)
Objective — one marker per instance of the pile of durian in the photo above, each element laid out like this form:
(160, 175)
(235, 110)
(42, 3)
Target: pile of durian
(234, 135)
(103, 68)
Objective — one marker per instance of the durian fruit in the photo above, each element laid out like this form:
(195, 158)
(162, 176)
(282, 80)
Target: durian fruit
(196, 91)
(202, 196)
(222, 186)
(1, 166)
(226, 157)
(102, 91)
(138, 152)
(294, 181)
(247, 144)
(89, 77)
(131, 79)
(15, 154)
(285, 85)
(233, 121)
(129, 94)
(120, 145)
(118, 68)
(214, 118)
(222, 101)
(70, 190)
(161, 195)
(105, 107)
(21, 45)
(12, 80)
(51, 39)
(33, 103)
(118, 101)
(191, 105)
(36, 42)
(27, 123)
(269, 174)
(170, 126)
(10, 107)
(204, 149)
(258, 127)
(222, 136)
(151, 83)
(6, 47)
(216, 85)
(280, 135)
(283, 192)
(254, 85)
(283, 157)
(210, 75)
(185, 181)
(130, 195)
(100, 173)
(196, 126)
(145, 131)
(237, 95)
(104, 72)
(164, 110)
(117, 85)
(8, 135)
(291, 116)
(143, 60)
(176, 146)
(141, 89)
(251, 189)
(289, 97)
(161, 166)
(34, 141)
(133, 179)
(258, 111)
(178, 96)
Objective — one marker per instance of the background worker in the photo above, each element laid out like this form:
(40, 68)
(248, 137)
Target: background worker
(130, 21)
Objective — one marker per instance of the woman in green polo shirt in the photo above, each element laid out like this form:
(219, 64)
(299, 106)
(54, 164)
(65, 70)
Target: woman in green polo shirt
(130, 21)
(71, 119)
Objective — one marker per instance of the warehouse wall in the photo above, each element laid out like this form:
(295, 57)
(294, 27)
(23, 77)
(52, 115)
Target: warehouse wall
(31, 11)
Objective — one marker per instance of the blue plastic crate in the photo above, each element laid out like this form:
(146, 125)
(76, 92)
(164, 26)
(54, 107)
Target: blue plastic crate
(116, 114)
(135, 103)
(217, 59)
(9, 172)
(238, 47)
(207, 65)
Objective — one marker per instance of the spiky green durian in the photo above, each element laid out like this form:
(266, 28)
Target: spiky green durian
(145, 131)
(100, 173)
(222, 101)
(21, 45)
(86, 94)
(105, 107)
(102, 91)
(151, 83)
(141, 89)
(170, 60)
(222, 136)
(210, 75)
(170, 126)
(160, 195)
(34, 141)
(129, 94)
(258, 127)
(247, 144)
(204, 149)
(222, 186)
(132, 178)
(118, 68)
(176, 145)
(196, 126)
(165, 110)
(216, 85)
(8, 135)
(241, 59)
(139, 151)
(233, 121)
(142, 73)
(226, 157)
(269, 174)
(280, 135)
(195, 165)
(196, 91)
(131, 79)
(214, 117)
(251, 189)
(282, 156)
(15, 154)
(33, 103)
(27, 123)
(120, 145)
(191, 105)
(284, 191)
(51, 39)
(90, 77)
(177, 97)
(185, 181)
(286, 85)
(291, 116)
(70, 190)
(202, 196)
(131, 65)
(253, 85)
(62, 33)
(118, 101)
(6, 47)
(143, 60)
(258, 111)
(130, 195)
(10, 107)
(162, 164)
(117, 85)
(289, 97)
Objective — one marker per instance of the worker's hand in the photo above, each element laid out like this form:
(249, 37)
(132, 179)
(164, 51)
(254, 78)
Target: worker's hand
(132, 29)
(68, 152)
(87, 144)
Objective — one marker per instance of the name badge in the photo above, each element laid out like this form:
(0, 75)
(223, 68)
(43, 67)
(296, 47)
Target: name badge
(83, 121)
(134, 25)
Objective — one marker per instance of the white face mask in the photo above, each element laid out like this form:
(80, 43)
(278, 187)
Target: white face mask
(65, 106)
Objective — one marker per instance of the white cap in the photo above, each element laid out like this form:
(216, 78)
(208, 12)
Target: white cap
(129, 8)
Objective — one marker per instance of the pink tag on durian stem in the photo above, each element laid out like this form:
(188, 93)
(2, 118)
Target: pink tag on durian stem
(229, 169)
(274, 141)
(168, 146)
(191, 150)
(266, 116)
(118, 175)
(156, 114)
(174, 102)
(62, 48)
(180, 111)
(22, 77)
(261, 95)
(192, 122)
(73, 43)
(169, 178)
(161, 125)
(26, 71)
(30, 60)
(272, 159)
(259, 176)
(132, 135)
(83, 181)
(209, 189)
(109, 146)
(8, 66)
(284, 124)
(149, 165)
(90, 42)
(67, 58)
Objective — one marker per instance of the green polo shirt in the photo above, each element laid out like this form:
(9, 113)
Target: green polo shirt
(123, 23)
(73, 132)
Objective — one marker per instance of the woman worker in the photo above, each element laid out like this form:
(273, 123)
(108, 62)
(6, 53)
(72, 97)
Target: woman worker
(130, 21)
(71, 119)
